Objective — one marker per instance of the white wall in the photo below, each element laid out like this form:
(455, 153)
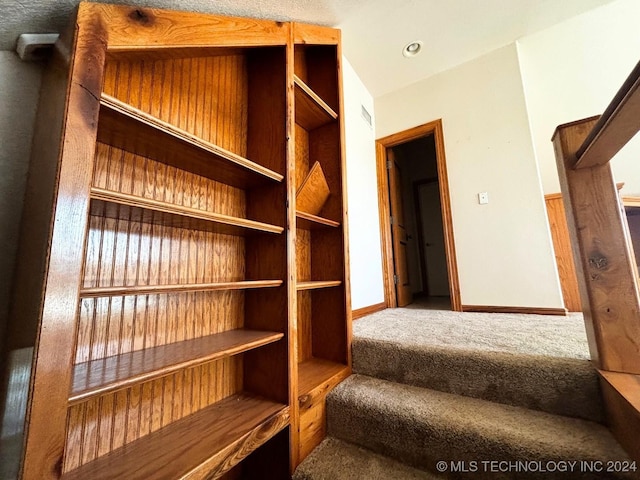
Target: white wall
(504, 250)
(367, 286)
(19, 89)
(572, 71)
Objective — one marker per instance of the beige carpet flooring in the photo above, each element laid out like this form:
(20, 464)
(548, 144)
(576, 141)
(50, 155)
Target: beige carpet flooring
(431, 384)
(553, 336)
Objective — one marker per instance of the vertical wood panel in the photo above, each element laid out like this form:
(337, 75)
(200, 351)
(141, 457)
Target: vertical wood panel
(563, 253)
(305, 309)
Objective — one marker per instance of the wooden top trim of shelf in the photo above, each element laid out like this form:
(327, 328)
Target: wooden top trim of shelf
(214, 439)
(311, 111)
(304, 33)
(105, 375)
(134, 28)
(129, 128)
(227, 223)
(309, 221)
(182, 287)
(318, 284)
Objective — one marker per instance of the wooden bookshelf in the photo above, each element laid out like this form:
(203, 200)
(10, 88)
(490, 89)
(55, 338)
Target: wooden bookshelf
(307, 221)
(133, 130)
(311, 111)
(213, 440)
(157, 279)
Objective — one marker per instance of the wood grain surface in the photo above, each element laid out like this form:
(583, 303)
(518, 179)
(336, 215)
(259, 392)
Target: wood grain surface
(311, 111)
(120, 371)
(214, 439)
(606, 269)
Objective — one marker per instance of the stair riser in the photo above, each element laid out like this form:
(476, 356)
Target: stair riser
(559, 386)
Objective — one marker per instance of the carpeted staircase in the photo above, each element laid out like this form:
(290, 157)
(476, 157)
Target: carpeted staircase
(446, 395)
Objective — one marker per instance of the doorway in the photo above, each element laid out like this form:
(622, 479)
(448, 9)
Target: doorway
(415, 217)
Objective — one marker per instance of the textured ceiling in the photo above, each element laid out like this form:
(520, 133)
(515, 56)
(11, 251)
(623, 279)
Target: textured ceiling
(374, 31)
(453, 32)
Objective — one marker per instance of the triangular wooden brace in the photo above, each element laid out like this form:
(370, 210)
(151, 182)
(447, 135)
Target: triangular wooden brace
(314, 191)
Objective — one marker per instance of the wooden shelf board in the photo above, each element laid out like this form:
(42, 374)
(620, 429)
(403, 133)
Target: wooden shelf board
(213, 440)
(133, 130)
(315, 371)
(318, 284)
(309, 222)
(131, 207)
(183, 287)
(311, 111)
(98, 377)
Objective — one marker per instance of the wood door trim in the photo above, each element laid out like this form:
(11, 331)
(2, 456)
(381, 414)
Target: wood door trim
(385, 226)
(382, 144)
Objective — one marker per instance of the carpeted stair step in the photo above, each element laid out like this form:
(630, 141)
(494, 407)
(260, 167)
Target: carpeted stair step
(335, 459)
(421, 427)
(562, 386)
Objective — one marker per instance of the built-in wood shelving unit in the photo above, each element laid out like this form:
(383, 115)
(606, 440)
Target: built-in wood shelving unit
(313, 285)
(133, 208)
(204, 444)
(177, 323)
(113, 373)
(186, 287)
(135, 131)
(311, 111)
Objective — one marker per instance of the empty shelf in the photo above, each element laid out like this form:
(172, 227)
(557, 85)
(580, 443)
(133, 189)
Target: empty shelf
(214, 439)
(121, 371)
(316, 371)
(182, 287)
(311, 111)
(112, 204)
(133, 130)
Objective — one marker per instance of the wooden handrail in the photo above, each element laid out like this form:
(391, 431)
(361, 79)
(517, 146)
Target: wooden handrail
(617, 125)
(604, 257)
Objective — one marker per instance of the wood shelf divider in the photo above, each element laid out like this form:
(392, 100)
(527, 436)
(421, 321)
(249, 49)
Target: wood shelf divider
(123, 206)
(215, 439)
(309, 222)
(311, 111)
(182, 287)
(312, 285)
(109, 374)
(315, 371)
(126, 127)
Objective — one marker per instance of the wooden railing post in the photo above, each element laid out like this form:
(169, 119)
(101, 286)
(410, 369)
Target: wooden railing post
(607, 275)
